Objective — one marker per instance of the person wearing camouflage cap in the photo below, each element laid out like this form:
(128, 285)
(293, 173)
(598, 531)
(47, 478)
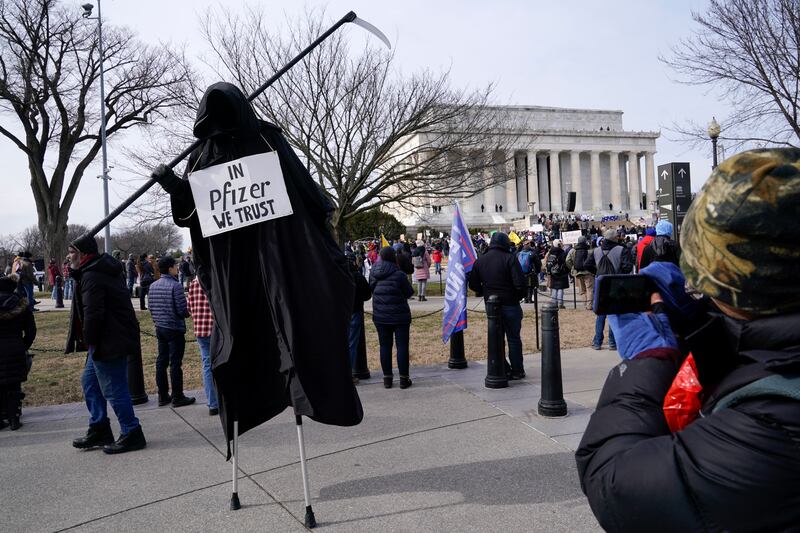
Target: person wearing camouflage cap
(730, 462)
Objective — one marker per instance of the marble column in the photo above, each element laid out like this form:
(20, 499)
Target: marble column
(575, 173)
(489, 197)
(616, 192)
(544, 185)
(511, 187)
(597, 188)
(555, 182)
(533, 180)
(520, 163)
(634, 182)
(650, 178)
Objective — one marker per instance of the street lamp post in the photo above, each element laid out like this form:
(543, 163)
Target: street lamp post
(713, 133)
(87, 14)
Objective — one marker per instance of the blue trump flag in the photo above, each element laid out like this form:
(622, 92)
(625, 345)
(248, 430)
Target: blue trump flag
(462, 257)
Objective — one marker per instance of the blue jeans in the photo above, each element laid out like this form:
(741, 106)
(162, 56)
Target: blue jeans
(131, 283)
(29, 291)
(599, 324)
(557, 295)
(208, 379)
(512, 324)
(171, 346)
(356, 327)
(107, 381)
(386, 334)
(68, 289)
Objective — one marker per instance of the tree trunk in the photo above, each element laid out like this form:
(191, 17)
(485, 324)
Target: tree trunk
(54, 237)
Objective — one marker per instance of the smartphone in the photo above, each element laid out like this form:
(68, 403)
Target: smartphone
(615, 294)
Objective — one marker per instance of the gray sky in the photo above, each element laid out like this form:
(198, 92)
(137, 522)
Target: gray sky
(579, 53)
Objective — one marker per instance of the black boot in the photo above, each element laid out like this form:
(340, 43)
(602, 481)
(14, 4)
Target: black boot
(14, 423)
(180, 401)
(387, 382)
(127, 443)
(164, 399)
(98, 435)
(405, 382)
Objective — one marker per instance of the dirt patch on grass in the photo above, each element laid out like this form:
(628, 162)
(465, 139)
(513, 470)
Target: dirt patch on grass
(55, 376)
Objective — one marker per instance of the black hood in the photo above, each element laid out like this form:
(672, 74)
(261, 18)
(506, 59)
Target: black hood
(500, 240)
(8, 301)
(382, 270)
(225, 110)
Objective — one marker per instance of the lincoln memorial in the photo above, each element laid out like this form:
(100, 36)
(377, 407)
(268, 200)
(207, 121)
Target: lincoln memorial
(561, 150)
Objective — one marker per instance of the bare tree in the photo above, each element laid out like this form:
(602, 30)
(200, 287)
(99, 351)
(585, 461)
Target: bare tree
(369, 136)
(750, 51)
(49, 71)
(152, 238)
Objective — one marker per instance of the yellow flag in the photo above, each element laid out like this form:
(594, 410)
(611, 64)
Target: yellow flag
(384, 242)
(514, 238)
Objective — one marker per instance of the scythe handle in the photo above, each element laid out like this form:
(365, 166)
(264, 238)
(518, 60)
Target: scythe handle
(350, 17)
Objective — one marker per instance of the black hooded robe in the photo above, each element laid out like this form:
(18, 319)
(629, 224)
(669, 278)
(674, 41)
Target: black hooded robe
(280, 290)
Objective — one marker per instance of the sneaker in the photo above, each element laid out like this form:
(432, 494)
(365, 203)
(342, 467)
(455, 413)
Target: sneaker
(180, 401)
(127, 443)
(612, 347)
(596, 347)
(214, 411)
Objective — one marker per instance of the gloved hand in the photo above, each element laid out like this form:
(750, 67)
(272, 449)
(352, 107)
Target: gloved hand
(639, 332)
(681, 308)
(166, 178)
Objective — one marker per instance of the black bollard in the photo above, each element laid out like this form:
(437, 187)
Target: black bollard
(536, 315)
(552, 402)
(59, 292)
(457, 359)
(575, 292)
(496, 377)
(361, 370)
(136, 379)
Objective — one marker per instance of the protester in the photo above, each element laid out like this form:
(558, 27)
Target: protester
(421, 262)
(608, 258)
(650, 234)
(169, 309)
(146, 278)
(662, 248)
(361, 295)
(391, 315)
(17, 332)
(436, 257)
(497, 272)
(403, 253)
(65, 270)
(27, 277)
(732, 464)
(130, 271)
(531, 265)
(103, 322)
(558, 272)
(203, 323)
(576, 263)
(53, 274)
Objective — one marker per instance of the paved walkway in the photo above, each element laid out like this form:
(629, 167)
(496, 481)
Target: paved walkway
(445, 455)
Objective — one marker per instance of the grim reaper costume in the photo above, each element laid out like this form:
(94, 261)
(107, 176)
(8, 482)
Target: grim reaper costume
(281, 315)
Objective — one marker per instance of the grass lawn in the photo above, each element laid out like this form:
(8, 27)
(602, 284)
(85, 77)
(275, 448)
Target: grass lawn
(55, 376)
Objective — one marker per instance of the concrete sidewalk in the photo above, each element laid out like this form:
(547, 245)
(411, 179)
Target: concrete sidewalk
(444, 455)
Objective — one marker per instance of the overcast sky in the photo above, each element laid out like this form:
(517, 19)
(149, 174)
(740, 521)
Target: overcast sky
(579, 53)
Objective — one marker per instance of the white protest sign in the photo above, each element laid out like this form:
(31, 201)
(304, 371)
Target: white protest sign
(240, 193)
(537, 227)
(570, 237)
(633, 237)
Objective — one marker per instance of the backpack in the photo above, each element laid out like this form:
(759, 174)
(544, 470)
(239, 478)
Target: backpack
(554, 266)
(417, 261)
(605, 265)
(524, 258)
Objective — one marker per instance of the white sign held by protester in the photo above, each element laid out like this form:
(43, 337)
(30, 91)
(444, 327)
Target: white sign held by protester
(537, 227)
(240, 193)
(570, 237)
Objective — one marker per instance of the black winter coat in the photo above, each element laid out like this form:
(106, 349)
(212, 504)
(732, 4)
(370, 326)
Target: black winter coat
(17, 331)
(734, 469)
(660, 248)
(362, 292)
(390, 293)
(561, 280)
(281, 320)
(102, 314)
(404, 262)
(498, 272)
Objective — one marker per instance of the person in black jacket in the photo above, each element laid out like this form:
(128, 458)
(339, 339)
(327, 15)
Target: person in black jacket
(361, 295)
(391, 314)
(103, 322)
(735, 465)
(497, 272)
(17, 332)
(558, 272)
(662, 248)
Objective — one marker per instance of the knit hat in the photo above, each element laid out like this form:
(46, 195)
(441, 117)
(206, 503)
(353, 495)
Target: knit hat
(664, 227)
(85, 244)
(650, 231)
(740, 237)
(388, 254)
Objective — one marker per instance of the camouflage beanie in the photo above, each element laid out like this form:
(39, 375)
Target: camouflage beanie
(740, 240)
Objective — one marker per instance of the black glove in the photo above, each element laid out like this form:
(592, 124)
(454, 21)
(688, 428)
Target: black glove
(167, 178)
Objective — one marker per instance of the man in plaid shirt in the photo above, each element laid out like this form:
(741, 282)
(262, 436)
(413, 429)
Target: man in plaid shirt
(203, 324)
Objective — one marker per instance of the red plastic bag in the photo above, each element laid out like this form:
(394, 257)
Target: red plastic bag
(682, 402)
